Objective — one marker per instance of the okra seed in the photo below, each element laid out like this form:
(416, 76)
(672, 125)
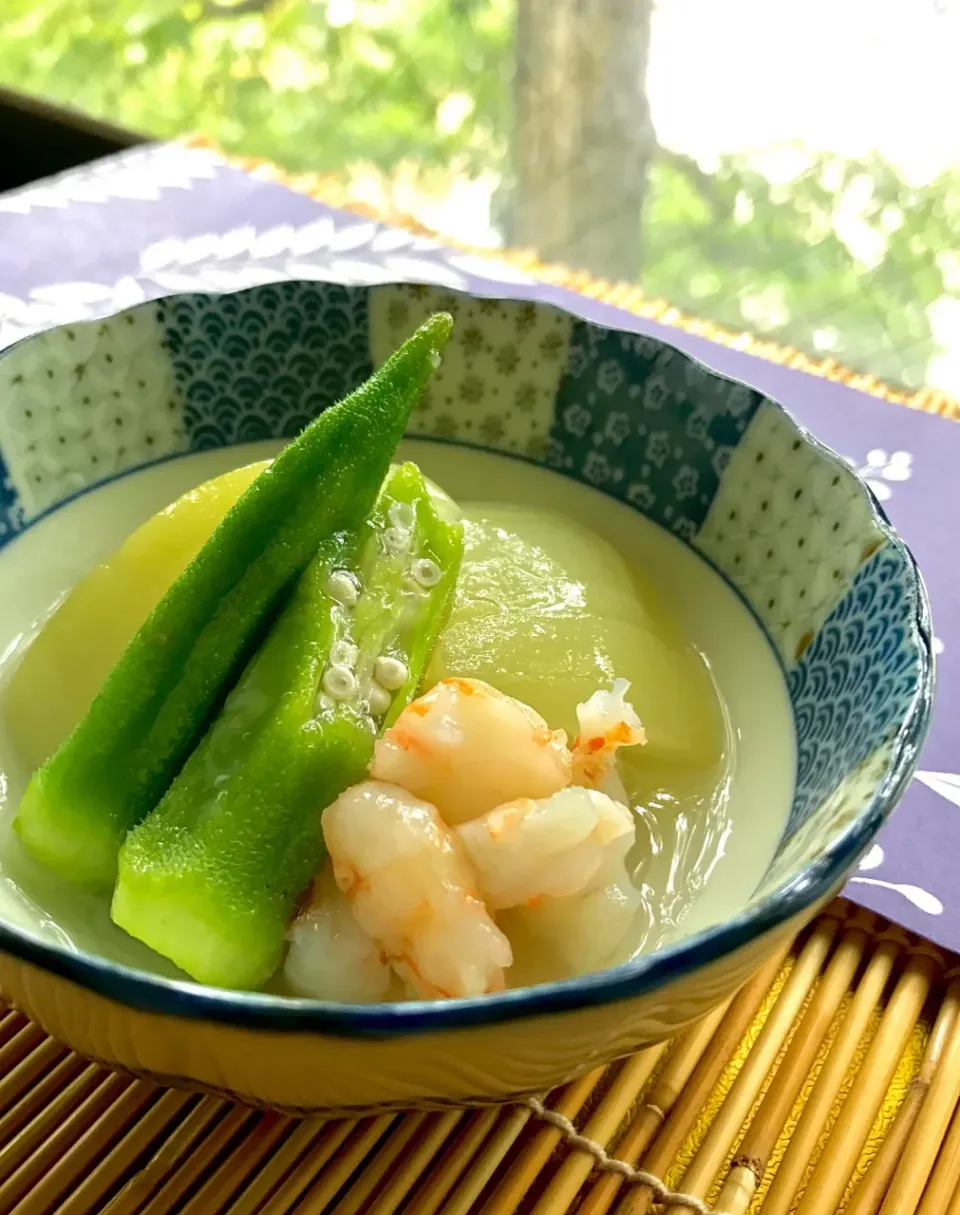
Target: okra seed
(343, 586)
(426, 572)
(340, 682)
(380, 700)
(402, 515)
(343, 654)
(396, 540)
(390, 673)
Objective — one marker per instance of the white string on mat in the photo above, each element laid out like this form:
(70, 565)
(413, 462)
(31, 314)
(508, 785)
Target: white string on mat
(612, 1164)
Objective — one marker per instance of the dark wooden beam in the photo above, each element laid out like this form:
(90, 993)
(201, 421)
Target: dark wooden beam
(38, 139)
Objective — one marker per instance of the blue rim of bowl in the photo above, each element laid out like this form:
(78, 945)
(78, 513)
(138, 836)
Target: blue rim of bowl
(649, 973)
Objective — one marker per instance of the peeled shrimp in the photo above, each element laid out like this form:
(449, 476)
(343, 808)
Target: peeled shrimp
(467, 748)
(412, 889)
(527, 851)
(607, 722)
(589, 930)
(330, 956)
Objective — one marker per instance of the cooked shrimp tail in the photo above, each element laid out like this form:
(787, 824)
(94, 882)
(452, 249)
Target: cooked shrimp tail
(607, 723)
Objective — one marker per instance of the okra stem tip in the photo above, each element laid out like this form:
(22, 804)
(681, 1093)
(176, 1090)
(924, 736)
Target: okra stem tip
(438, 327)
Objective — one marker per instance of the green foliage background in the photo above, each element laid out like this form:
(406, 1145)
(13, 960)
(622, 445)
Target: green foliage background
(321, 84)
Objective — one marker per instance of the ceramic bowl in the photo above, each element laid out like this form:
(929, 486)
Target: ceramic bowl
(715, 463)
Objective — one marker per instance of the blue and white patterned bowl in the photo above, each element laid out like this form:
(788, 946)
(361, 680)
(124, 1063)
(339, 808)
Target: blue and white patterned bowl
(729, 472)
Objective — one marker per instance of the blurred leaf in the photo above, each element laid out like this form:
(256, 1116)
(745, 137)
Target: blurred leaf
(787, 273)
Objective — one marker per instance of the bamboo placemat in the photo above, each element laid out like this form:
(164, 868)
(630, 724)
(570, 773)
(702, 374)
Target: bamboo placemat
(830, 1083)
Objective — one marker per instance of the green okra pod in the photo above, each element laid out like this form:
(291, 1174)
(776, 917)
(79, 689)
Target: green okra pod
(211, 876)
(121, 758)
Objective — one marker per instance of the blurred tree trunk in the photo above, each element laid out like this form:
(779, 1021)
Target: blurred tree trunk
(583, 140)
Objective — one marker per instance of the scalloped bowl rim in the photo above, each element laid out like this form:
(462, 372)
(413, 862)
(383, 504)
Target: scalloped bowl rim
(641, 976)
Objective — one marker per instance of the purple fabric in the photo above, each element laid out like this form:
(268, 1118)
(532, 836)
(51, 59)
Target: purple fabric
(117, 232)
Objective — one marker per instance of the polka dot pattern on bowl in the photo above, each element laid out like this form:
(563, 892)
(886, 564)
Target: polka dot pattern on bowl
(83, 403)
(789, 528)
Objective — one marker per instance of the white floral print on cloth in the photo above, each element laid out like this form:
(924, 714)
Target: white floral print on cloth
(947, 784)
(65, 303)
(836, 812)
(84, 402)
(881, 468)
(260, 364)
(497, 384)
(335, 248)
(644, 422)
(856, 679)
(923, 900)
(140, 174)
(789, 527)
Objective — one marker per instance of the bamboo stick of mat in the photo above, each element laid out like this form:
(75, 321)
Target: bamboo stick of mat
(235, 1120)
(472, 1184)
(121, 1151)
(372, 1134)
(49, 1174)
(217, 1189)
(938, 1082)
(781, 1195)
(946, 1172)
(660, 1154)
(869, 1194)
(699, 1174)
(453, 1163)
(336, 1141)
(748, 1166)
(28, 1155)
(282, 1161)
(19, 1079)
(18, 1075)
(27, 1104)
(412, 1165)
(167, 1158)
(10, 1023)
(600, 1129)
(842, 1150)
(656, 1107)
(20, 1046)
(368, 1181)
(524, 1170)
